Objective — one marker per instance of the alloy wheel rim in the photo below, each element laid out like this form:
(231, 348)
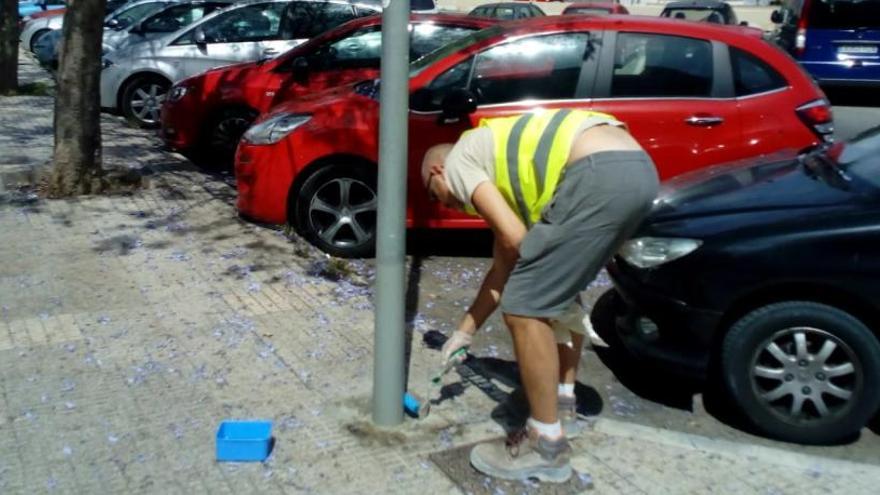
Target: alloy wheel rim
(146, 103)
(342, 212)
(806, 375)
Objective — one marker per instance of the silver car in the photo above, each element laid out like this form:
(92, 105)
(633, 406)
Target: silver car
(117, 26)
(170, 18)
(134, 80)
(35, 29)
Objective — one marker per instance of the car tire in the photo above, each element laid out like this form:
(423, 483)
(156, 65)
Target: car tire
(142, 99)
(35, 38)
(803, 372)
(222, 134)
(335, 210)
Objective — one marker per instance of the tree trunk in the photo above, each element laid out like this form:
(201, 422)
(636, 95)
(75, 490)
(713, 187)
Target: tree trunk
(8, 46)
(77, 162)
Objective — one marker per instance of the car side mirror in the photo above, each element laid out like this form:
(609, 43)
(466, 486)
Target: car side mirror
(456, 105)
(776, 17)
(199, 37)
(743, 23)
(112, 24)
(300, 69)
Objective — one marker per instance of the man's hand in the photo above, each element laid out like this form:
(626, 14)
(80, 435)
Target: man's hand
(459, 340)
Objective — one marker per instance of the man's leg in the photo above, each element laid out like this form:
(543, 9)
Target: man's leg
(538, 360)
(534, 453)
(569, 358)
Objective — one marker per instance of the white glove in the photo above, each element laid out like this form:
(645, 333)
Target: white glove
(458, 340)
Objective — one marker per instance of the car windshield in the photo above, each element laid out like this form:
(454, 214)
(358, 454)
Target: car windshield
(844, 14)
(135, 13)
(421, 64)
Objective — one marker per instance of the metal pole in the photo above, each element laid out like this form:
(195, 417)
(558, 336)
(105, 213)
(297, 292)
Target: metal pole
(388, 351)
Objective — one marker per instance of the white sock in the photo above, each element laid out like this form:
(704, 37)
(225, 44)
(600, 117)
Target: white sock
(549, 430)
(566, 389)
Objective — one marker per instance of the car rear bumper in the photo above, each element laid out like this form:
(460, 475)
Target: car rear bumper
(855, 73)
(661, 329)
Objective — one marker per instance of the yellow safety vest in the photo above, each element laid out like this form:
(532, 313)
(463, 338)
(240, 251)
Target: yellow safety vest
(531, 151)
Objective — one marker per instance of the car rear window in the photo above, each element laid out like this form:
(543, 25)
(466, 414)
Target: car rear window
(695, 14)
(586, 11)
(752, 75)
(422, 5)
(656, 66)
(847, 14)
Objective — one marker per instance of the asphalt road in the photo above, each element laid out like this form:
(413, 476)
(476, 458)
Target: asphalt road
(448, 267)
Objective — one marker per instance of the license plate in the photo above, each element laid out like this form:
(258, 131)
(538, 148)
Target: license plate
(858, 49)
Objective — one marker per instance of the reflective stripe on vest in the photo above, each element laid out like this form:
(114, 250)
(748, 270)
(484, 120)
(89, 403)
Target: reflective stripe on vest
(531, 151)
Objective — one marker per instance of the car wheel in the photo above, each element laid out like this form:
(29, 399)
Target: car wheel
(803, 372)
(223, 133)
(36, 38)
(335, 210)
(142, 100)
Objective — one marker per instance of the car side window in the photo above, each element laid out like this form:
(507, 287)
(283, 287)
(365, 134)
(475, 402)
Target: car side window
(304, 20)
(752, 75)
(427, 37)
(658, 66)
(361, 49)
(430, 98)
(252, 23)
(538, 67)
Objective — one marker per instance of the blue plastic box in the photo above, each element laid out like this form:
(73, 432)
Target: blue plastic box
(244, 441)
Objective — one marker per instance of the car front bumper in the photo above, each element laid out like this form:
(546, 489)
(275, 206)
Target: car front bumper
(112, 78)
(263, 179)
(662, 329)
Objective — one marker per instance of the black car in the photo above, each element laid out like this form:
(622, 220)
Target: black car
(768, 275)
(507, 11)
(701, 10)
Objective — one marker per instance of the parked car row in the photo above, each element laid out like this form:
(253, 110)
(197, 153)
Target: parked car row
(287, 92)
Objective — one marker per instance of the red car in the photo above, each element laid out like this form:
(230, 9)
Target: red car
(595, 8)
(209, 112)
(693, 94)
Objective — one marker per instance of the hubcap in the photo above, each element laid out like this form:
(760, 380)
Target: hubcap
(146, 103)
(806, 374)
(343, 212)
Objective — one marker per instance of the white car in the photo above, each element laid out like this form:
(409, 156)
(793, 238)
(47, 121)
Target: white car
(135, 80)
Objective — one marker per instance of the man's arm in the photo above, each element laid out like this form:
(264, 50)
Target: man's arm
(509, 232)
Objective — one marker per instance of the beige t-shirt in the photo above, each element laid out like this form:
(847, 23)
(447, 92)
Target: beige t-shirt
(472, 160)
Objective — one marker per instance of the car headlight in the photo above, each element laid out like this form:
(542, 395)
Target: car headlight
(273, 129)
(647, 252)
(177, 93)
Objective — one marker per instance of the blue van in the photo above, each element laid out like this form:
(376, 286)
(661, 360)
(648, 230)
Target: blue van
(836, 41)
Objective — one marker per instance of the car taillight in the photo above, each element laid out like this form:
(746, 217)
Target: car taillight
(800, 37)
(800, 42)
(818, 117)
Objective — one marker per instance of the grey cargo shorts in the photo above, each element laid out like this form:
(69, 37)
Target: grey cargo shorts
(599, 202)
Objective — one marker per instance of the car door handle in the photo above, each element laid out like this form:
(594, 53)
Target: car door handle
(270, 52)
(703, 120)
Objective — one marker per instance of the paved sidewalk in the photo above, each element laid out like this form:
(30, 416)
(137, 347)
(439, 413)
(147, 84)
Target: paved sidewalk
(130, 326)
